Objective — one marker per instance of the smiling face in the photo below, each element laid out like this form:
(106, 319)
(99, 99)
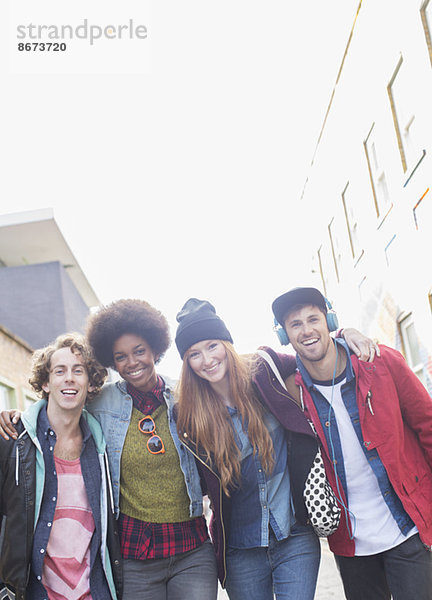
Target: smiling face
(208, 360)
(308, 333)
(68, 381)
(135, 362)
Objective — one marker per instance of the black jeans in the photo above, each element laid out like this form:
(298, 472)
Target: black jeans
(404, 573)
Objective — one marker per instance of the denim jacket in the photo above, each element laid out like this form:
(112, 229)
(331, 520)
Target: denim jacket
(113, 409)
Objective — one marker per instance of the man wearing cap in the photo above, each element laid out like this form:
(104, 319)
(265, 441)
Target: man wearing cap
(374, 422)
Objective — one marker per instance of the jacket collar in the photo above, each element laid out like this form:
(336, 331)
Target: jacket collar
(168, 392)
(30, 416)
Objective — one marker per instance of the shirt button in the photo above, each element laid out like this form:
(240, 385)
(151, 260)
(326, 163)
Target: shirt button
(49, 524)
(51, 433)
(327, 423)
(54, 499)
(41, 550)
(51, 448)
(38, 577)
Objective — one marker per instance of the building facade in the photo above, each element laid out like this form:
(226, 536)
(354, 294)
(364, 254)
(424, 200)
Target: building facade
(367, 201)
(39, 301)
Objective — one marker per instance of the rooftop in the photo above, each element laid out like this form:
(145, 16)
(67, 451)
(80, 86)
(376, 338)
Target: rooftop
(33, 237)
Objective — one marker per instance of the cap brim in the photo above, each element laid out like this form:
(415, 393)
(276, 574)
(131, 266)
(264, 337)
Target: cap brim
(283, 304)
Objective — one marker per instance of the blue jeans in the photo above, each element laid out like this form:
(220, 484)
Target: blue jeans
(189, 575)
(288, 569)
(403, 572)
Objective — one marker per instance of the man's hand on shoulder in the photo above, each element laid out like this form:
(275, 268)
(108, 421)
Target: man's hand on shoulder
(363, 347)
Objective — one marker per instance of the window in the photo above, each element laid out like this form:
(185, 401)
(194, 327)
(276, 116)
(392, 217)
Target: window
(377, 175)
(401, 90)
(7, 396)
(351, 222)
(327, 271)
(422, 212)
(411, 346)
(389, 248)
(335, 249)
(426, 17)
(29, 398)
(321, 268)
(362, 286)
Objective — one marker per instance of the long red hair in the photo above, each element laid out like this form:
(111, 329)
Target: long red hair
(204, 417)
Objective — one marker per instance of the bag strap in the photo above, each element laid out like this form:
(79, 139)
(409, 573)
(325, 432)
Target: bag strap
(266, 356)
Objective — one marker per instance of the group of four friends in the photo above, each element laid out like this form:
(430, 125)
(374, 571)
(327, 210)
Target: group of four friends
(102, 484)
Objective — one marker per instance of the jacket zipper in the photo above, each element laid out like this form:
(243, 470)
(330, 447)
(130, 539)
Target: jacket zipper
(220, 503)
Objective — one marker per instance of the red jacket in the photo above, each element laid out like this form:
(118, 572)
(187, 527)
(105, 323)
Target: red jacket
(396, 418)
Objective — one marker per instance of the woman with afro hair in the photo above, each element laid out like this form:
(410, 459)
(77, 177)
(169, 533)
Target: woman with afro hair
(167, 554)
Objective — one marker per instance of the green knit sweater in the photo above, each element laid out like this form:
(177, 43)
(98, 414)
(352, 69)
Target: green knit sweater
(152, 486)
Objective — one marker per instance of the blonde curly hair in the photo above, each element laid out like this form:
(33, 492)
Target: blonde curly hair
(41, 363)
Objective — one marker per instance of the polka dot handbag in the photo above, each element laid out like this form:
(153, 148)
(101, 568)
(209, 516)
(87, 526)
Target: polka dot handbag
(321, 504)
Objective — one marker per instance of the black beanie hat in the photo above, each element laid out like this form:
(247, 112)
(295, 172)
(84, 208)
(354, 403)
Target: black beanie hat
(198, 321)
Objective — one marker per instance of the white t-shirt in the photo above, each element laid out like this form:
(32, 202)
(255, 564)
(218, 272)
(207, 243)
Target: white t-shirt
(374, 528)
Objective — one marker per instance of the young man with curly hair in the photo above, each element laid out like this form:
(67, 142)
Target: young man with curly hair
(57, 530)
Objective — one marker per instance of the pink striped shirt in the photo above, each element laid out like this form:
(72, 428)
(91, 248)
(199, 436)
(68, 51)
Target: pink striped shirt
(66, 568)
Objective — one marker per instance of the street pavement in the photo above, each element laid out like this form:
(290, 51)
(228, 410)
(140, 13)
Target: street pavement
(329, 584)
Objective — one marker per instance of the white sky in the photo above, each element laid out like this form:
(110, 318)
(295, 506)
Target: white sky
(183, 179)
